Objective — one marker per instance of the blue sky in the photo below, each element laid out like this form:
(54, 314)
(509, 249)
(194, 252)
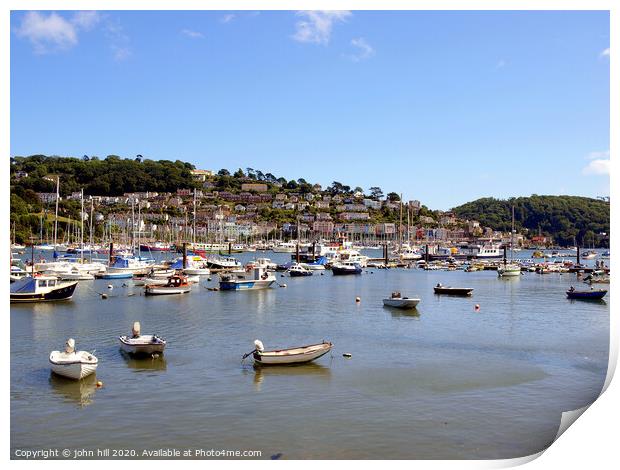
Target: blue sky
(444, 107)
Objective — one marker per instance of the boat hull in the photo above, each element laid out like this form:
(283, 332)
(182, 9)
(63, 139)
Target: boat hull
(586, 295)
(246, 285)
(300, 273)
(73, 369)
(404, 303)
(118, 275)
(465, 291)
(197, 271)
(62, 293)
(288, 357)
(146, 348)
(164, 290)
(509, 272)
(338, 271)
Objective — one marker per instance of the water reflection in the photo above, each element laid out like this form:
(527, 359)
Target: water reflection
(310, 370)
(74, 391)
(412, 313)
(589, 301)
(141, 363)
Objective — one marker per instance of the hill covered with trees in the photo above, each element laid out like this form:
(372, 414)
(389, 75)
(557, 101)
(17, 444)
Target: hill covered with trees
(112, 176)
(568, 219)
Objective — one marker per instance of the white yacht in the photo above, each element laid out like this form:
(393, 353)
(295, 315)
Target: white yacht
(285, 247)
(253, 278)
(490, 250)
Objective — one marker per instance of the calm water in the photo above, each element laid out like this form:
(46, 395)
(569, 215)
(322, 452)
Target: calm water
(444, 382)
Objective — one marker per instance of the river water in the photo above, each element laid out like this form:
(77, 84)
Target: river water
(446, 381)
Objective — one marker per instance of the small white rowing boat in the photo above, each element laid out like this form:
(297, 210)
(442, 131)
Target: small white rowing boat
(138, 344)
(71, 363)
(397, 301)
(143, 344)
(288, 356)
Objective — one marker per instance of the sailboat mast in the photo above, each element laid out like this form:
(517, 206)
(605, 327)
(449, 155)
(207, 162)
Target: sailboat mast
(139, 225)
(133, 227)
(90, 228)
(194, 224)
(400, 224)
(82, 225)
(512, 232)
(56, 213)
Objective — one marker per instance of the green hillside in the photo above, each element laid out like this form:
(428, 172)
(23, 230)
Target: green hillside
(568, 219)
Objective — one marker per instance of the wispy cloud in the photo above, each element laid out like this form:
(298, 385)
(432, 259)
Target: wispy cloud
(53, 32)
(47, 33)
(227, 18)
(192, 34)
(501, 64)
(605, 53)
(599, 163)
(118, 40)
(86, 20)
(316, 27)
(364, 50)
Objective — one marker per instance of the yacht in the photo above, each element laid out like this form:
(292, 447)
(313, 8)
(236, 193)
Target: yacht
(129, 265)
(285, 247)
(408, 253)
(253, 278)
(214, 262)
(41, 289)
(490, 250)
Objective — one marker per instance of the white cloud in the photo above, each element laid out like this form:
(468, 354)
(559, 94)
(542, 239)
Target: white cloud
(605, 53)
(317, 26)
(227, 18)
(47, 32)
(86, 19)
(599, 164)
(52, 32)
(365, 50)
(501, 64)
(192, 34)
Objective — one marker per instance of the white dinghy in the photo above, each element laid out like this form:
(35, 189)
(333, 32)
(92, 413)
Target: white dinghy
(398, 301)
(71, 363)
(298, 355)
(138, 344)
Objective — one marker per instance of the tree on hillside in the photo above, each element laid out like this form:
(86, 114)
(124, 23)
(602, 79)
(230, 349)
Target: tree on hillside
(223, 172)
(393, 197)
(239, 173)
(375, 192)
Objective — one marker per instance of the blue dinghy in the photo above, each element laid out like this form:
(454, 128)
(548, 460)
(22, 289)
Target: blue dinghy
(594, 294)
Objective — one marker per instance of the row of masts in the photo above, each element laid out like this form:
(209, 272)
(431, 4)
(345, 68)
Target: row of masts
(132, 237)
